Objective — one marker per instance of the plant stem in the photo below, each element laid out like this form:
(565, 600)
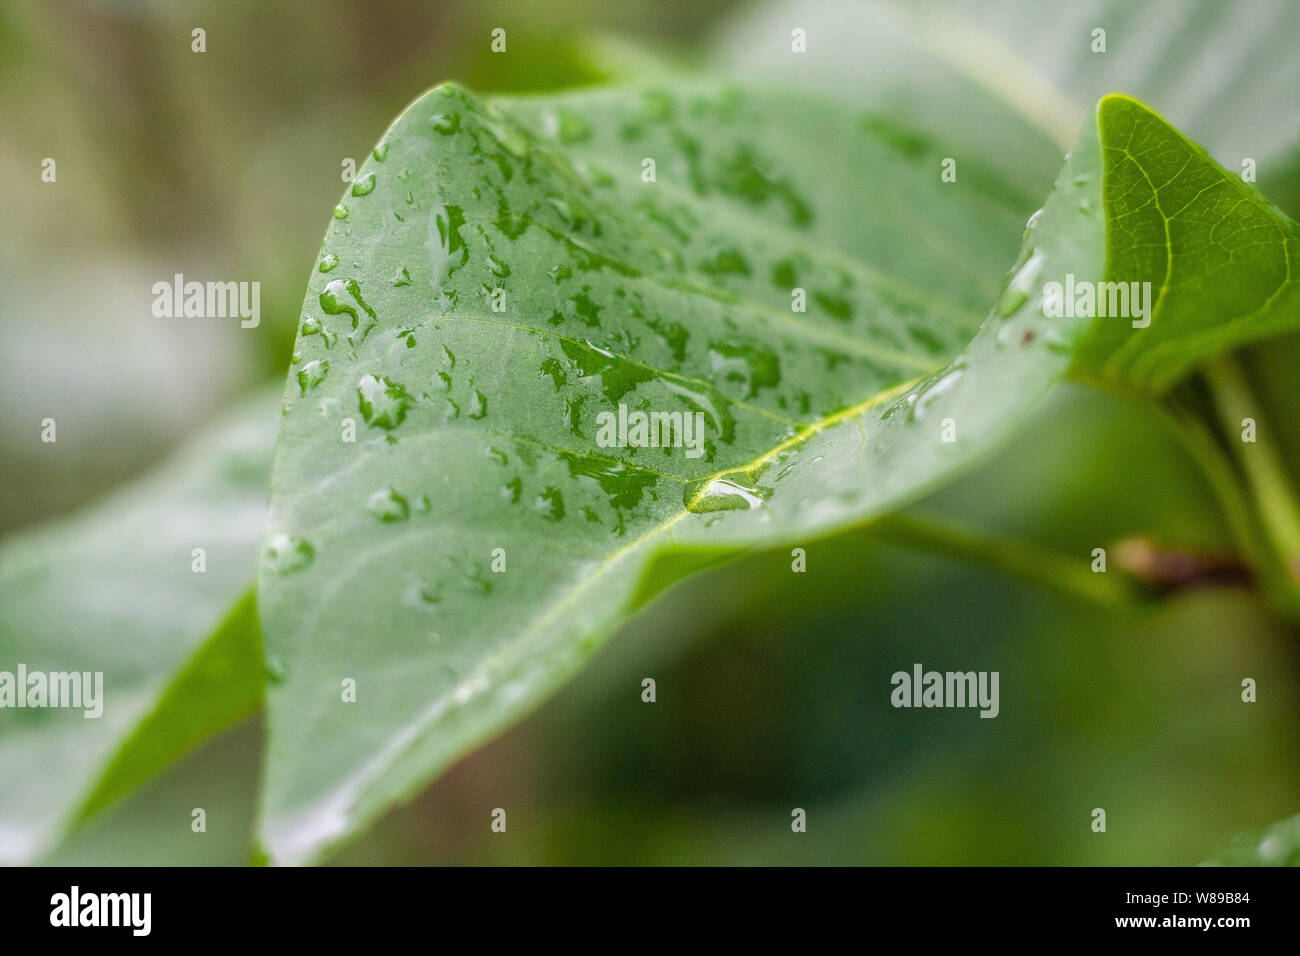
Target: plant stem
(1022, 559)
(1208, 452)
(1261, 466)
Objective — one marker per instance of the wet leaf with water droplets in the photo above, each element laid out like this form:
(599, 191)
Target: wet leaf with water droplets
(638, 382)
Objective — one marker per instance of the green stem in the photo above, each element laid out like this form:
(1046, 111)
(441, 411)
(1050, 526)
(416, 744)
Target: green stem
(1022, 559)
(1261, 466)
(1206, 450)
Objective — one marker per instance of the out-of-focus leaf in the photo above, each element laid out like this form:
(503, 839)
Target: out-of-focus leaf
(221, 682)
(955, 63)
(1276, 845)
(113, 590)
(156, 824)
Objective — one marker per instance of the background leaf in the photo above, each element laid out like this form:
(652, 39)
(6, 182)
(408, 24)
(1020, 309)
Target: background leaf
(999, 77)
(112, 590)
(1276, 845)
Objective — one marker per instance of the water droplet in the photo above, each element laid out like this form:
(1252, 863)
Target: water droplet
(422, 594)
(719, 494)
(498, 267)
(401, 277)
(446, 123)
(381, 152)
(623, 486)
(383, 403)
(476, 579)
(725, 262)
(312, 374)
(752, 366)
(451, 251)
(284, 553)
(618, 375)
(387, 505)
(276, 669)
(550, 504)
(478, 405)
(332, 302)
(328, 262)
(1030, 224)
(364, 186)
(340, 211)
(1020, 286)
(930, 392)
(310, 326)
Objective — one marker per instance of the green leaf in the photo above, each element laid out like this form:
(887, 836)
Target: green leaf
(153, 826)
(222, 682)
(476, 429)
(112, 590)
(1222, 262)
(990, 76)
(1276, 845)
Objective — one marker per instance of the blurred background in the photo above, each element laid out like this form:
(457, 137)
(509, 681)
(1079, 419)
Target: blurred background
(227, 164)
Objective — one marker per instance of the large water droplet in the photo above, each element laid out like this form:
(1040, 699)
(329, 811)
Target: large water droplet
(383, 403)
(364, 186)
(720, 494)
(331, 300)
